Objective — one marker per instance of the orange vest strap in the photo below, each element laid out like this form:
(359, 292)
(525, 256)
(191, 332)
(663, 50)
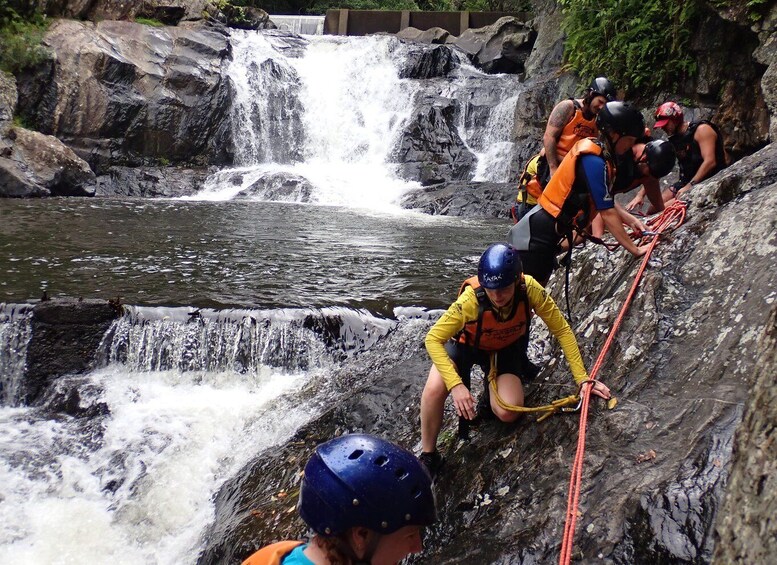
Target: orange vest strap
(272, 554)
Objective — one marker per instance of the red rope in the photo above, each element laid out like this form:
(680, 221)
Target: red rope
(673, 216)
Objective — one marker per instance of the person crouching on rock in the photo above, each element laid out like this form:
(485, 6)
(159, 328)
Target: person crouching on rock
(367, 501)
(489, 323)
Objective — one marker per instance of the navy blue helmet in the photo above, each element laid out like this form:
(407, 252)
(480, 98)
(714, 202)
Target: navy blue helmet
(499, 266)
(359, 480)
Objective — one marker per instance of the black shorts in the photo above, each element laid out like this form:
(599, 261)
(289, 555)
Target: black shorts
(511, 359)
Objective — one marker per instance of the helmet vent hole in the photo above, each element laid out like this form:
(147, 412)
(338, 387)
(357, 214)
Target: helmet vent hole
(381, 460)
(401, 473)
(356, 454)
(416, 492)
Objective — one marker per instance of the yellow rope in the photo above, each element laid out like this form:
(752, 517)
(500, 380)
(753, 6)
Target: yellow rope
(548, 409)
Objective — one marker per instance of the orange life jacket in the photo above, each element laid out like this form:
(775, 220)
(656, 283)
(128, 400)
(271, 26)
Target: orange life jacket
(567, 200)
(487, 333)
(272, 554)
(576, 129)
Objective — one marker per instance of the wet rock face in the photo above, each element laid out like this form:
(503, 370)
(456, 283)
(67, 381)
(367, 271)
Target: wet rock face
(66, 334)
(502, 47)
(7, 100)
(747, 532)
(120, 94)
(429, 63)
(430, 149)
(41, 165)
(155, 182)
(169, 12)
(656, 468)
(469, 199)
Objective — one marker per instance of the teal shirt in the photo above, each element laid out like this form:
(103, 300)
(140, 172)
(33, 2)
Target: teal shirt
(296, 557)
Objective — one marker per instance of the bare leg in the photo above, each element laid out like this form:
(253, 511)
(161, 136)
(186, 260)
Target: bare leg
(511, 391)
(597, 227)
(432, 405)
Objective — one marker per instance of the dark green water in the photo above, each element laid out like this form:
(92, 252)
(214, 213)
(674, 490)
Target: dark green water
(251, 254)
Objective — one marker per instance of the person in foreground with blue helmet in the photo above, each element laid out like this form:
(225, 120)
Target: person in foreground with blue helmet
(489, 321)
(367, 501)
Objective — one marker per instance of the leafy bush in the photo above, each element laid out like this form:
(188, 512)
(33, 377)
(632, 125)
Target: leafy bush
(640, 44)
(20, 39)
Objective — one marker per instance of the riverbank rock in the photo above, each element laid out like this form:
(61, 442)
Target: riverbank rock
(656, 468)
(502, 47)
(470, 199)
(430, 149)
(431, 35)
(169, 12)
(125, 94)
(154, 182)
(41, 165)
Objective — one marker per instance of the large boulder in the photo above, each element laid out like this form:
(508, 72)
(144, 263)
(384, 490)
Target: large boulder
(154, 182)
(169, 12)
(41, 165)
(121, 93)
(743, 534)
(502, 47)
(430, 149)
(428, 63)
(468, 199)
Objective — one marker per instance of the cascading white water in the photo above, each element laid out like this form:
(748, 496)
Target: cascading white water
(15, 332)
(327, 114)
(129, 475)
(495, 150)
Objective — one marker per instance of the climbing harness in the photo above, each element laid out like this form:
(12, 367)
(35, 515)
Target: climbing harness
(672, 217)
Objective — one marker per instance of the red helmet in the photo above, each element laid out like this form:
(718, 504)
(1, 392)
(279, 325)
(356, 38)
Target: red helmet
(667, 112)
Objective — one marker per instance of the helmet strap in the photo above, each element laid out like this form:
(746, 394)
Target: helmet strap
(368, 551)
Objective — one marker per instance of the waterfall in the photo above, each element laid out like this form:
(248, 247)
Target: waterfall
(15, 333)
(315, 119)
(183, 339)
(121, 465)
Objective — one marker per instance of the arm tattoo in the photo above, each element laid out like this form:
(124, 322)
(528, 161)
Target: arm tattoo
(561, 114)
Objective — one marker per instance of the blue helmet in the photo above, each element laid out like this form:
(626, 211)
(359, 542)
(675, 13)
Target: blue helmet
(499, 266)
(363, 480)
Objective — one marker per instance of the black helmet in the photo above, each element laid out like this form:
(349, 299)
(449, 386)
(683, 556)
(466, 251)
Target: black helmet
(622, 118)
(601, 86)
(660, 157)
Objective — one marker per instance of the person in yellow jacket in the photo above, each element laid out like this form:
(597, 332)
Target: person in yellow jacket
(367, 501)
(489, 320)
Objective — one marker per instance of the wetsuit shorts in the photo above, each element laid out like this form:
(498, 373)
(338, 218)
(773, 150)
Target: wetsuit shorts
(511, 359)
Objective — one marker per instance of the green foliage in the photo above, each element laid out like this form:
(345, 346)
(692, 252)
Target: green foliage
(643, 45)
(20, 38)
(149, 22)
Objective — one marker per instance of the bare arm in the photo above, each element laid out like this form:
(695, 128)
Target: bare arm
(559, 118)
(612, 220)
(652, 188)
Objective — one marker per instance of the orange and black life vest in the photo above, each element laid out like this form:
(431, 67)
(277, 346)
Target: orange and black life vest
(576, 129)
(534, 177)
(566, 197)
(272, 554)
(487, 333)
